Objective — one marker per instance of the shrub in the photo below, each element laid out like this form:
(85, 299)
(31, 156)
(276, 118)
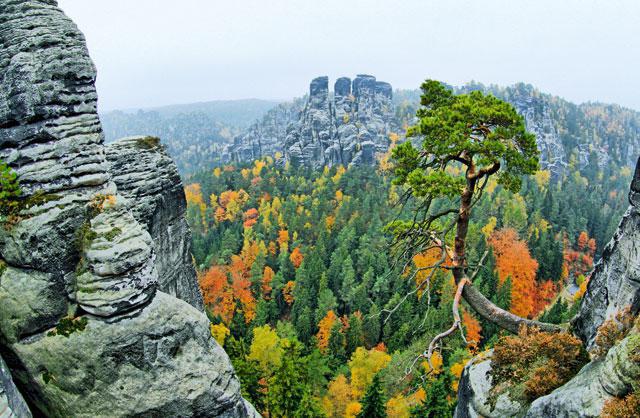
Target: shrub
(611, 331)
(534, 363)
(629, 406)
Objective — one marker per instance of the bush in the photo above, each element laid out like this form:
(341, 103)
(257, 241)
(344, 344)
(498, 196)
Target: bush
(628, 406)
(611, 331)
(534, 363)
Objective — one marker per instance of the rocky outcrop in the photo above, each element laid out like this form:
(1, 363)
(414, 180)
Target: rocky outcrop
(265, 136)
(539, 121)
(91, 323)
(615, 281)
(473, 394)
(148, 178)
(116, 272)
(613, 286)
(347, 127)
(12, 404)
(581, 397)
(162, 361)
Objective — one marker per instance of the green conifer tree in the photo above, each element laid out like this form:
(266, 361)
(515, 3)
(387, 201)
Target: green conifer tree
(374, 401)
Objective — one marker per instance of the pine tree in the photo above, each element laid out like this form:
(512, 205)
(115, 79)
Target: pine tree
(348, 283)
(435, 404)
(355, 334)
(556, 313)
(247, 370)
(309, 407)
(373, 403)
(337, 346)
(288, 384)
(371, 327)
(503, 297)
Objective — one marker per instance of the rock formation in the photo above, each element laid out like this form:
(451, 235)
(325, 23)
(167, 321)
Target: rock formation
(265, 136)
(615, 281)
(539, 121)
(147, 177)
(93, 268)
(614, 285)
(347, 127)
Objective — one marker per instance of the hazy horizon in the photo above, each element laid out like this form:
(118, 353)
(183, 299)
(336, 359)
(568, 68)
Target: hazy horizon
(158, 53)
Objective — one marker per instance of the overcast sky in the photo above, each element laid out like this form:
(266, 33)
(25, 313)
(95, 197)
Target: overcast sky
(156, 52)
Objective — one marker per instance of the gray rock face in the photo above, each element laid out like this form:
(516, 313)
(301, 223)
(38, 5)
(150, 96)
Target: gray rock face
(80, 248)
(266, 136)
(473, 394)
(160, 362)
(348, 127)
(615, 281)
(581, 397)
(12, 404)
(116, 272)
(149, 180)
(538, 120)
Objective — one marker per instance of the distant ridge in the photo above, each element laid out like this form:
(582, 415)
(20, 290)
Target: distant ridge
(238, 112)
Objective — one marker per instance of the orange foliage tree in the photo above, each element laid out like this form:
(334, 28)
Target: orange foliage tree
(324, 330)
(472, 328)
(287, 292)
(217, 293)
(579, 260)
(267, 278)
(296, 257)
(514, 260)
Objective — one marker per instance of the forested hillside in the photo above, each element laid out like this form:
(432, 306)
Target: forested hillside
(306, 296)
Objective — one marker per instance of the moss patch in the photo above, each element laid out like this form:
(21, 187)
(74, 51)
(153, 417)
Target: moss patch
(148, 142)
(85, 236)
(68, 326)
(109, 236)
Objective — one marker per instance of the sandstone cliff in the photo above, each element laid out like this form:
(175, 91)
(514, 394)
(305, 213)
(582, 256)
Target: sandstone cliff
(348, 126)
(95, 266)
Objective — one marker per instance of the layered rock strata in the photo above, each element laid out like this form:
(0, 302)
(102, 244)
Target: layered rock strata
(91, 323)
(148, 178)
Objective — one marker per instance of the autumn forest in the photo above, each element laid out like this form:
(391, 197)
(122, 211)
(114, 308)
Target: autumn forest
(306, 295)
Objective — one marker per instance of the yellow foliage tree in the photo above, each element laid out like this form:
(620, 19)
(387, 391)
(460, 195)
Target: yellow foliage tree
(399, 407)
(436, 361)
(266, 349)
(352, 410)
(220, 333)
(364, 364)
(338, 396)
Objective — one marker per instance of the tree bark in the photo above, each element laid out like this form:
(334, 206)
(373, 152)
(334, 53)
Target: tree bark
(504, 319)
